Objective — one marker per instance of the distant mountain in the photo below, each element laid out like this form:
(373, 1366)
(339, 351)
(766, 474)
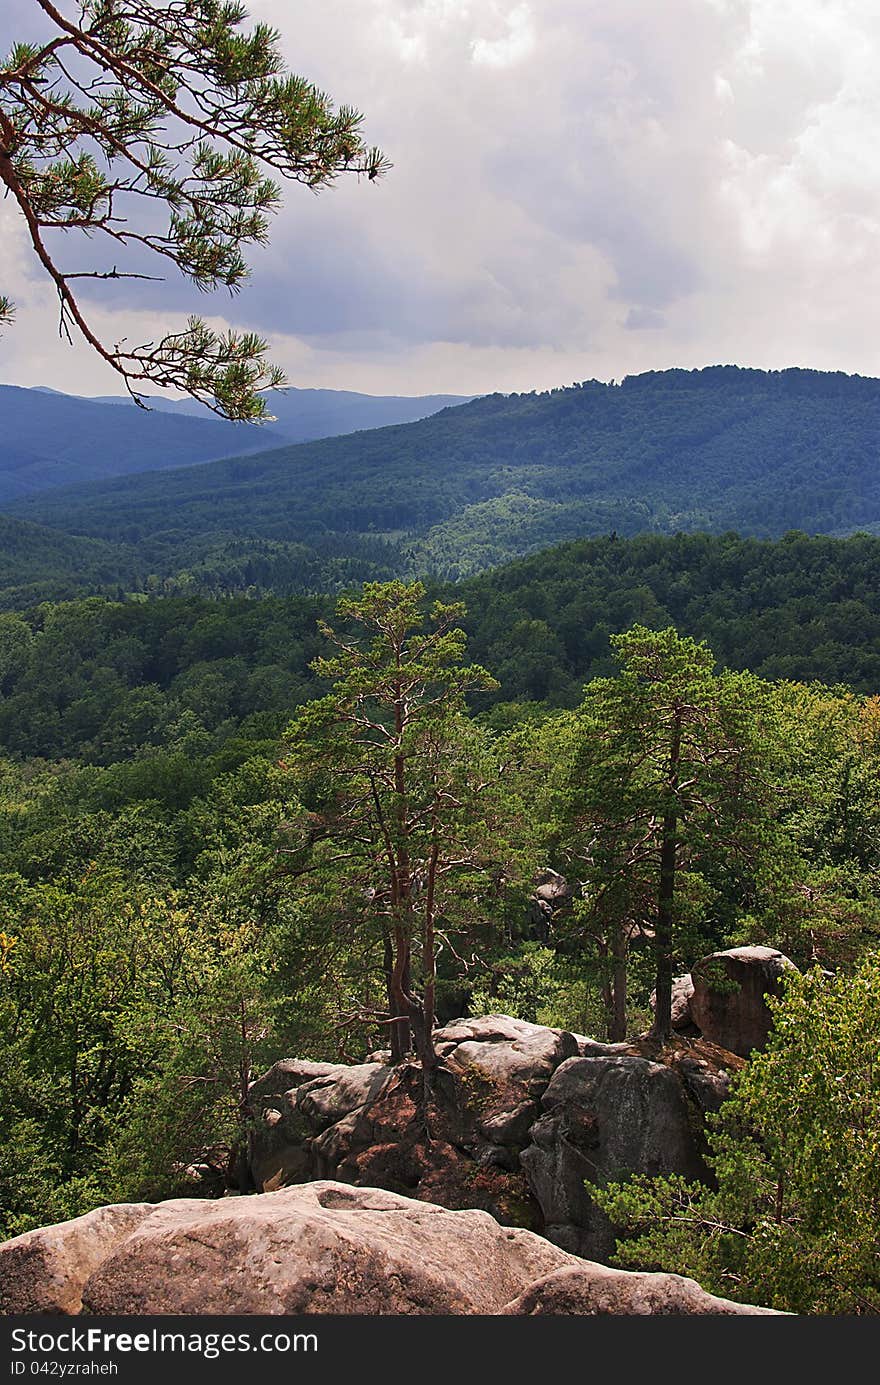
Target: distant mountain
(49, 439)
(716, 449)
(305, 415)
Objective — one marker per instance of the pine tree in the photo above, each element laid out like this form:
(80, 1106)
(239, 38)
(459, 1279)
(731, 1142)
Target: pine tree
(667, 771)
(145, 106)
(401, 798)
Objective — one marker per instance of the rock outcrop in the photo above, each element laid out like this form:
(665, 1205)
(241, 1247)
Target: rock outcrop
(44, 1271)
(606, 1115)
(297, 1101)
(321, 1247)
(519, 1116)
(366, 1125)
(729, 1003)
(591, 1290)
(682, 994)
(553, 894)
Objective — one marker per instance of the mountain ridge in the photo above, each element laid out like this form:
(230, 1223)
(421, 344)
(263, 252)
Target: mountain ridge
(55, 440)
(723, 448)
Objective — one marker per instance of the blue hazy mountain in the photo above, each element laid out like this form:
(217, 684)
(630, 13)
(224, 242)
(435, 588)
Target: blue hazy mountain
(49, 439)
(305, 415)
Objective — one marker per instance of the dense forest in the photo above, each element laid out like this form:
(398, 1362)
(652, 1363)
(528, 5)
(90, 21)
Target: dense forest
(174, 844)
(712, 450)
(103, 680)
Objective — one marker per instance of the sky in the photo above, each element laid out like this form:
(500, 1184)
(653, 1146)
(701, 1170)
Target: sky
(580, 189)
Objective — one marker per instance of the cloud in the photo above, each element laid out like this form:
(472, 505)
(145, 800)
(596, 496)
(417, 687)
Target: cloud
(644, 320)
(516, 43)
(578, 190)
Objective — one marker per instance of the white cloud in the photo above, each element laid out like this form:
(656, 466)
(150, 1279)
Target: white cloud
(515, 44)
(579, 189)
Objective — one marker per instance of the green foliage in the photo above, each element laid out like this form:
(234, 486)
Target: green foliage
(785, 610)
(797, 609)
(793, 1222)
(681, 453)
(186, 114)
(540, 985)
(659, 799)
(400, 792)
(188, 895)
(187, 1118)
(146, 979)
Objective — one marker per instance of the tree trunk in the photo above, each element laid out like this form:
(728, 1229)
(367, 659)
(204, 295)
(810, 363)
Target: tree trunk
(428, 1053)
(398, 1031)
(401, 978)
(619, 949)
(664, 932)
(401, 1033)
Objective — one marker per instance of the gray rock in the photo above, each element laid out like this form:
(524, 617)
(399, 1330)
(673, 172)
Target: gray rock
(288, 1074)
(553, 891)
(682, 992)
(504, 1077)
(596, 1048)
(729, 1000)
(605, 1116)
(331, 1098)
(292, 1105)
(706, 1082)
(488, 1029)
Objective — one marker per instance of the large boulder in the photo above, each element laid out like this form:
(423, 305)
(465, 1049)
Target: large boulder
(320, 1248)
(292, 1104)
(504, 1066)
(368, 1125)
(729, 1003)
(591, 1290)
(607, 1115)
(43, 1271)
(510, 1127)
(552, 894)
(682, 993)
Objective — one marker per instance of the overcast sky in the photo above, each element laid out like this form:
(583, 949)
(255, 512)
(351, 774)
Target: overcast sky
(581, 188)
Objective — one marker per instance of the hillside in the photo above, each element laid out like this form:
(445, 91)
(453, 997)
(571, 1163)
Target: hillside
(53, 440)
(717, 449)
(39, 564)
(128, 675)
(50, 440)
(301, 415)
(42, 564)
(798, 608)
